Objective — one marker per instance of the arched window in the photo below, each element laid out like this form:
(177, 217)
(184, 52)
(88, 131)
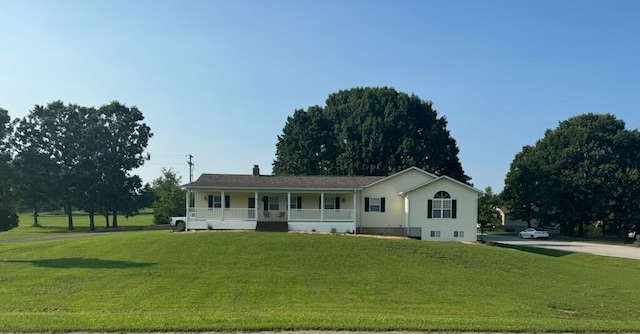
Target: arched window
(442, 206)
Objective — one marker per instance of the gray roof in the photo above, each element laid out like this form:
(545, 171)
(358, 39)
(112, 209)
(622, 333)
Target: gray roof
(232, 181)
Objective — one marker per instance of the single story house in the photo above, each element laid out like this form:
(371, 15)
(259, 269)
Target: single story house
(411, 203)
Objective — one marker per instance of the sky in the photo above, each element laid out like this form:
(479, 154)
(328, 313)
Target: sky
(218, 79)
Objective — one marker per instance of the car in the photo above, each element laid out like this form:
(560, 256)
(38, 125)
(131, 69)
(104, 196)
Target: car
(533, 233)
(179, 223)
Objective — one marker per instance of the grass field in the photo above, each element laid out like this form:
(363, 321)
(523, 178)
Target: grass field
(162, 281)
(51, 224)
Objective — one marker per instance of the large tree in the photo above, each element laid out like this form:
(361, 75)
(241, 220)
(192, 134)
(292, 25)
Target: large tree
(367, 131)
(84, 155)
(8, 217)
(580, 174)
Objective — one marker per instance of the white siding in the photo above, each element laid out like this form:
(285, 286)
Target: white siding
(467, 207)
(394, 215)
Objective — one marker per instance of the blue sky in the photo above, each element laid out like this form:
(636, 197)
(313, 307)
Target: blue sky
(217, 79)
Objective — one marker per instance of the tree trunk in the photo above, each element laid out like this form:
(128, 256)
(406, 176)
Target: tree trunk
(69, 216)
(581, 229)
(115, 218)
(35, 214)
(106, 218)
(92, 223)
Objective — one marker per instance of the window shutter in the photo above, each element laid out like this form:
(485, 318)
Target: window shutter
(337, 203)
(430, 208)
(454, 208)
(382, 204)
(320, 203)
(227, 201)
(265, 202)
(299, 202)
(210, 198)
(366, 204)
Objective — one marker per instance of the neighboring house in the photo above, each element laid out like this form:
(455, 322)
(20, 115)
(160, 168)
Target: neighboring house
(511, 224)
(409, 203)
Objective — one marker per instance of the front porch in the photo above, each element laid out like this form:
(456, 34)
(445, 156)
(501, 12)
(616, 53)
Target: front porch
(320, 212)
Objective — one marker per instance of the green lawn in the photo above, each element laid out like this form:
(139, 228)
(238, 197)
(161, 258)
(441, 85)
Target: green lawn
(162, 281)
(51, 224)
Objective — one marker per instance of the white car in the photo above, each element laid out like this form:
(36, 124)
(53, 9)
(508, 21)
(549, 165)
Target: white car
(179, 223)
(533, 233)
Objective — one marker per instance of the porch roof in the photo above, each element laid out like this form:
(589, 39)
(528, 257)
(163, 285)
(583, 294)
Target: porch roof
(233, 181)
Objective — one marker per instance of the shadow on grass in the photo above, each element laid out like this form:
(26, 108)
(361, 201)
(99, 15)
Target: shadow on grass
(536, 250)
(85, 229)
(79, 262)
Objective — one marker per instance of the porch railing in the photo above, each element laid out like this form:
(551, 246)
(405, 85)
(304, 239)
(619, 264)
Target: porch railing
(316, 215)
(250, 214)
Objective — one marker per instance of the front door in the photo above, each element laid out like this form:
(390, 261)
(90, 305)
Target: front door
(251, 204)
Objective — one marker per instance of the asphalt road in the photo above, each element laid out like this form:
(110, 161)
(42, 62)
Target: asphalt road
(629, 251)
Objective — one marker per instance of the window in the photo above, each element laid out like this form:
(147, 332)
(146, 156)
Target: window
(458, 234)
(330, 203)
(374, 204)
(216, 202)
(442, 206)
(296, 203)
(435, 234)
(274, 203)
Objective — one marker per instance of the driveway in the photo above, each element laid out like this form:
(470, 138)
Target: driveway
(628, 252)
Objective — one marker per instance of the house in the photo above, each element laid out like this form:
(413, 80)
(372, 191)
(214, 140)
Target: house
(411, 203)
(511, 224)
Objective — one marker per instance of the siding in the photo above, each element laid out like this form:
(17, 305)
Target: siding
(394, 215)
(467, 215)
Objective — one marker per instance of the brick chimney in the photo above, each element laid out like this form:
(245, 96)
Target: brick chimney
(256, 170)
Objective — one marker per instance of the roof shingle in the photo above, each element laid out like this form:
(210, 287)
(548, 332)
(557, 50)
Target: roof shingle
(233, 181)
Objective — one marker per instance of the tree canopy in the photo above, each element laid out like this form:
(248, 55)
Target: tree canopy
(83, 155)
(8, 218)
(584, 173)
(367, 131)
(170, 199)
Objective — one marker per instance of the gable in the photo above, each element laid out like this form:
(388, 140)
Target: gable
(398, 182)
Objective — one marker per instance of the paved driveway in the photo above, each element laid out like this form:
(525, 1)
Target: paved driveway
(629, 251)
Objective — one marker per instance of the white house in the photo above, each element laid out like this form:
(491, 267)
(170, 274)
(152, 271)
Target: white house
(409, 203)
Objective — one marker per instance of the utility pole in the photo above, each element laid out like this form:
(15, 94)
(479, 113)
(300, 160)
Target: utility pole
(191, 201)
(190, 162)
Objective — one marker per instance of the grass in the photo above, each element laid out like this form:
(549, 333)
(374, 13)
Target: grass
(161, 281)
(51, 224)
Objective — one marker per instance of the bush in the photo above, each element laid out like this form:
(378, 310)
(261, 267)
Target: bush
(8, 220)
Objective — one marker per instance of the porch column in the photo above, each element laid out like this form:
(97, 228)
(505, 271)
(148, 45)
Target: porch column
(322, 207)
(186, 211)
(355, 212)
(222, 205)
(288, 206)
(255, 204)
(407, 209)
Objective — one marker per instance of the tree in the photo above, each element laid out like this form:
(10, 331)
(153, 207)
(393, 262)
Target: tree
(367, 131)
(488, 204)
(583, 173)
(522, 185)
(84, 155)
(170, 198)
(8, 217)
(127, 138)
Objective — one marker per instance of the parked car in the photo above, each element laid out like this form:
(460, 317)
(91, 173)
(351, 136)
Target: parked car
(179, 223)
(533, 233)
